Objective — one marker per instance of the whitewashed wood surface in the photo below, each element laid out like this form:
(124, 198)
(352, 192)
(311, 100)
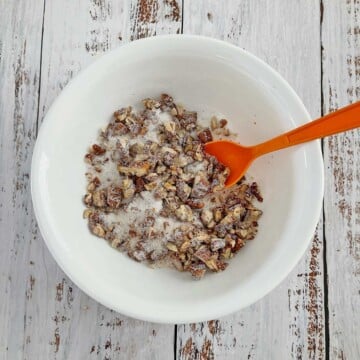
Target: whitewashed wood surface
(313, 314)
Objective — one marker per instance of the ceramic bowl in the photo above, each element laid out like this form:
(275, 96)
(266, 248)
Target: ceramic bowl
(211, 77)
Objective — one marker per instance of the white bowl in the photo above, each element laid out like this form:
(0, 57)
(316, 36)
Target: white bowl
(209, 76)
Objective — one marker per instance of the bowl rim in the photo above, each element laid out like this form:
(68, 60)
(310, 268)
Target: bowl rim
(45, 227)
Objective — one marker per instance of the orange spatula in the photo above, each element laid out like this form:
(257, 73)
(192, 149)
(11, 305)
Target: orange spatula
(238, 158)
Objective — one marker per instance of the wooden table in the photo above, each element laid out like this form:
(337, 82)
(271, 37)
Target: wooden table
(313, 314)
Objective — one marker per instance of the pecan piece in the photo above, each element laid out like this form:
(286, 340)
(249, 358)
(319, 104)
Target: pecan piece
(201, 186)
(197, 271)
(223, 123)
(88, 199)
(214, 124)
(218, 214)
(166, 101)
(99, 198)
(188, 120)
(205, 136)
(122, 114)
(254, 190)
(98, 150)
(151, 104)
(217, 244)
(97, 230)
(203, 254)
(138, 169)
(184, 213)
(207, 218)
(169, 157)
(183, 190)
(114, 196)
(128, 188)
(176, 262)
(94, 183)
(89, 158)
(139, 184)
(136, 149)
(172, 247)
(195, 203)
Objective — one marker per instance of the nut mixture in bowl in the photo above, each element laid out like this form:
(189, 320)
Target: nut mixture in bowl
(154, 193)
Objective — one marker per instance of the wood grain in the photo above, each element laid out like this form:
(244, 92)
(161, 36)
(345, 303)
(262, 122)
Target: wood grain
(341, 85)
(43, 315)
(19, 92)
(289, 322)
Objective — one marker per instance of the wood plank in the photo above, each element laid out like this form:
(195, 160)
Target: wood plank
(341, 85)
(289, 322)
(43, 315)
(20, 29)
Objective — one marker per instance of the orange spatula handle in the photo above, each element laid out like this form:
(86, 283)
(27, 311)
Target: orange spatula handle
(341, 120)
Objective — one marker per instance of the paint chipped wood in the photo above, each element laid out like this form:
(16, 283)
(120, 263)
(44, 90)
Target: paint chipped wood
(19, 94)
(341, 84)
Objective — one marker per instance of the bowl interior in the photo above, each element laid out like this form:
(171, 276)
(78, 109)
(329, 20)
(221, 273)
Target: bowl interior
(208, 77)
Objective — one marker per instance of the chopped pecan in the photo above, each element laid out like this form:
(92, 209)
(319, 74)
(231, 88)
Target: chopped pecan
(223, 123)
(160, 193)
(98, 150)
(122, 114)
(133, 124)
(94, 183)
(150, 186)
(178, 110)
(203, 254)
(206, 217)
(98, 230)
(184, 246)
(205, 135)
(195, 203)
(217, 244)
(238, 245)
(183, 190)
(166, 100)
(138, 255)
(168, 157)
(99, 198)
(254, 190)
(114, 196)
(151, 104)
(116, 243)
(214, 124)
(160, 150)
(88, 199)
(138, 169)
(170, 126)
(218, 214)
(221, 266)
(184, 213)
(152, 177)
(86, 213)
(117, 129)
(89, 158)
(197, 271)
(201, 186)
(176, 262)
(136, 149)
(188, 120)
(128, 188)
(220, 230)
(172, 247)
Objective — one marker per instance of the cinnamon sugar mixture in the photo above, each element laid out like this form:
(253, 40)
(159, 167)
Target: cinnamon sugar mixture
(154, 193)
